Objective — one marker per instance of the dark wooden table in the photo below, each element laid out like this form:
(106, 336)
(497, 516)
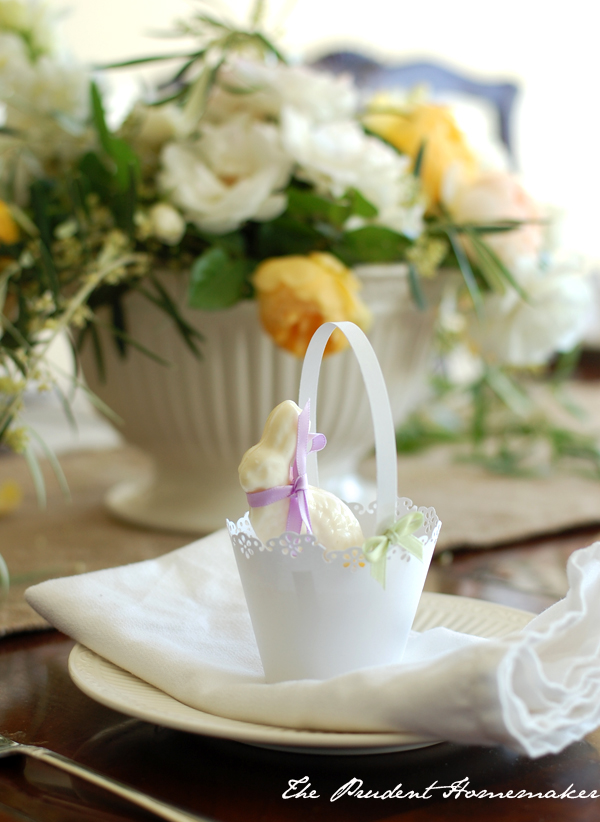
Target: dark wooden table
(235, 782)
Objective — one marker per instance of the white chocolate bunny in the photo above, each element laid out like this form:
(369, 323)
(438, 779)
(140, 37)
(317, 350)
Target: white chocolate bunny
(268, 465)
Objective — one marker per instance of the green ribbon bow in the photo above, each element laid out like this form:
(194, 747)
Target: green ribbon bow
(400, 533)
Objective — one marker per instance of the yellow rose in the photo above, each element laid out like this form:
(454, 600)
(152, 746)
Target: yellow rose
(9, 234)
(298, 294)
(9, 230)
(435, 127)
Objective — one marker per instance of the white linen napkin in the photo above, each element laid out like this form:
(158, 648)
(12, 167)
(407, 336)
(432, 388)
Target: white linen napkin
(180, 622)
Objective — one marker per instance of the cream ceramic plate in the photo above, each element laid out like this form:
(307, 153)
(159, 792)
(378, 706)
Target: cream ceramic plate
(124, 692)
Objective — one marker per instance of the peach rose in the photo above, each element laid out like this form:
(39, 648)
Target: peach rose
(445, 144)
(298, 294)
(497, 196)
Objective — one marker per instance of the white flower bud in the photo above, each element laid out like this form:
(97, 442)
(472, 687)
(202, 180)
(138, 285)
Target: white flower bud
(168, 225)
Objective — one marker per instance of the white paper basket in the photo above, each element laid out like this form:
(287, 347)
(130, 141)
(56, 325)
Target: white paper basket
(316, 616)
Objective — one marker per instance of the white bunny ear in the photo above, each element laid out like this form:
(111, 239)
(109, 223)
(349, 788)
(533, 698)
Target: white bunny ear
(267, 464)
(281, 429)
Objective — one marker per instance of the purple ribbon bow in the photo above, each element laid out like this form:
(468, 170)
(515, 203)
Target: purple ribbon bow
(298, 512)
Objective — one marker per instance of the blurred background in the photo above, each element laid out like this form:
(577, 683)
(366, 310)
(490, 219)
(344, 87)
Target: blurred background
(548, 48)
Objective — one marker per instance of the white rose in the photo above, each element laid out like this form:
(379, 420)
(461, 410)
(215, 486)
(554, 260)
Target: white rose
(267, 89)
(14, 64)
(33, 22)
(150, 127)
(234, 172)
(46, 101)
(556, 318)
(45, 88)
(167, 224)
(338, 156)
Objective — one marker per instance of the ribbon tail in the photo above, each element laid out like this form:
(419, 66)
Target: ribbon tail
(413, 545)
(305, 512)
(294, 520)
(299, 513)
(375, 552)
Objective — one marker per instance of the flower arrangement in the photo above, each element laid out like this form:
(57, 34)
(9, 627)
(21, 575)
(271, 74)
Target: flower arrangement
(256, 179)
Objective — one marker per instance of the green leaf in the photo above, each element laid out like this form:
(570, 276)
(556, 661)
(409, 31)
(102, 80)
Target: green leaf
(125, 213)
(37, 476)
(77, 194)
(66, 406)
(101, 406)
(203, 17)
(14, 332)
(95, 172)
(486, 267)
(565, 365)
(284, 236)
(54, 464)
(508, 391)
(98, 352)
(99, 118)
(371, 244)
(501, 227)
(419, 433)
(118, 325)
(415, 287)
(304, 204)
(170, 98)
(217, 281)
(123, 337)
(465, 269)
(270, 47)
(198, 95)
(40, 200)
(49, 269)
(4, 579)
(126, 164)
(16, 360)
(234, 243)
(258, 12)
(182, 71)
(419, 159)
(166, 304)
(382, 139)
(360, 206)
(492, 262)
(138, 61)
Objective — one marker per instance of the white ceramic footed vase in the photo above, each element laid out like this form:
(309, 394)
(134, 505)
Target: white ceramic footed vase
(197, 417)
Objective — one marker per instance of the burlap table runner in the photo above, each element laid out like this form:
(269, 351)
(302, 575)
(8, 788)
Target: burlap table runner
(70, 537)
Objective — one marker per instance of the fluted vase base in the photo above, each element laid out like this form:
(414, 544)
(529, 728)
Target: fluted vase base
(196, 417)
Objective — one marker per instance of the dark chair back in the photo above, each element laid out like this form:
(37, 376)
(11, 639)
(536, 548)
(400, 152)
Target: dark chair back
(369, 74)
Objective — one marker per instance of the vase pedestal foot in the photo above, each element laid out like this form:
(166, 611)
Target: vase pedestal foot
(171, 506)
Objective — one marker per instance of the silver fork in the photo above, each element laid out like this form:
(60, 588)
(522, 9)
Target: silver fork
(161, 809)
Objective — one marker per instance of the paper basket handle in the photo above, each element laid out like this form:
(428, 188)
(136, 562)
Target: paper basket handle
(383, 424)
